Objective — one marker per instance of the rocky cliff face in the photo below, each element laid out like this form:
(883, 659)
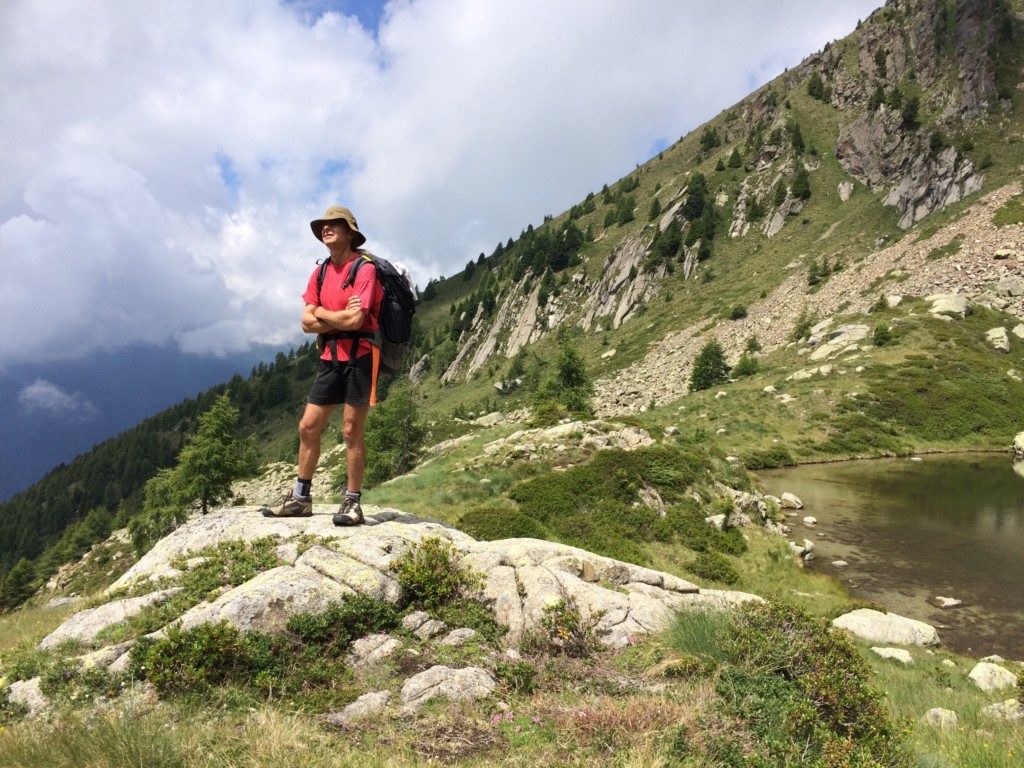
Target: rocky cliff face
(908, 88)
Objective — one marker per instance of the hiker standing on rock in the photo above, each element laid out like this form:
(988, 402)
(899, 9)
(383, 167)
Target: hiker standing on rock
(342, 305)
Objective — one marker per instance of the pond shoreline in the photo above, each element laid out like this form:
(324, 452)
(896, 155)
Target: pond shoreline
(951, 525)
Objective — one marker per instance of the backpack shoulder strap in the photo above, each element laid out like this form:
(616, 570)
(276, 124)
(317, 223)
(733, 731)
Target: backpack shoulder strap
(363, 257)
(320, 275)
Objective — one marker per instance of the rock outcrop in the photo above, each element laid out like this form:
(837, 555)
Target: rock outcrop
(521, 578)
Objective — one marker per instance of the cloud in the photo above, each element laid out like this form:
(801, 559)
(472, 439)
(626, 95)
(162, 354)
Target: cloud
(161, 169)
(45, 398)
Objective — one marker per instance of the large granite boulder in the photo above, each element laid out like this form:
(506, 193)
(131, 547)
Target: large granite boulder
(84, 626)
(948, 304)
(440, 682)
(521, 577)
(886, 628)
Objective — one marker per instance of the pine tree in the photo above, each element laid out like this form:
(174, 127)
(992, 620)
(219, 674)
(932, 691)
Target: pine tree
(213, 456)
(655, 210)
(709, 367)
(17, 584)
(801, 187)
(394, 436)
(735, 159)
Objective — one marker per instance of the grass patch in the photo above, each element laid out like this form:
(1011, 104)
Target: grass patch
(942, 251)
(1011, 212)
(703, 634)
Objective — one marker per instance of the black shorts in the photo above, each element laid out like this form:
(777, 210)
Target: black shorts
(338, 383)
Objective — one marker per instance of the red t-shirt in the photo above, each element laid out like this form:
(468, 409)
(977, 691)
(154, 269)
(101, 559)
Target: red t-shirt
(334, 297)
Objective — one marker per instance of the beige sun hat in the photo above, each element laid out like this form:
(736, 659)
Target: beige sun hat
(338, 213)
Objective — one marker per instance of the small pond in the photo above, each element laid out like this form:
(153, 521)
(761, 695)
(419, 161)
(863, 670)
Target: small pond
(911, 530)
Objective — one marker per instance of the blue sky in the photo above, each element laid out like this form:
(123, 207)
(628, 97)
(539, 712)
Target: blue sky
(310, 11)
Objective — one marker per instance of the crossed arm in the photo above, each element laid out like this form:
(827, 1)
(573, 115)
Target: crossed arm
(319, 320)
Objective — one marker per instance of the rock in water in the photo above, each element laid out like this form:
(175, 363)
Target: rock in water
(889, 628)
(790, 501)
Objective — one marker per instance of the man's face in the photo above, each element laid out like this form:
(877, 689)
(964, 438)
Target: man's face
(337, 233)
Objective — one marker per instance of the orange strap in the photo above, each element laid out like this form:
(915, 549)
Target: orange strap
(375, 356)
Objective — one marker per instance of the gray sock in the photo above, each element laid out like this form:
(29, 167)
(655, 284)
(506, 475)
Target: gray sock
(302, 488)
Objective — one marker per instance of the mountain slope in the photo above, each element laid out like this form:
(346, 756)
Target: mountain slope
(837, 181)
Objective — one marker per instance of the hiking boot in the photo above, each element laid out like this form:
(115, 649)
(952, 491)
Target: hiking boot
(292, 506)
(349, 513)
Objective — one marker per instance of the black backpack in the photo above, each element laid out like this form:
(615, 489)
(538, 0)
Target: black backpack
(396, 310)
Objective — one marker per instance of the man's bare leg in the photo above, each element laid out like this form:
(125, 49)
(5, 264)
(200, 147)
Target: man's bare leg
(311, 427)
(354, 426)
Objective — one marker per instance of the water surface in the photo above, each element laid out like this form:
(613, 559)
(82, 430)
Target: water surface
(910, 531)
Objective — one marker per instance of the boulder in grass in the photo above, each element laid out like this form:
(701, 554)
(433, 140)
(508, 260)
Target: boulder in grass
(943, 719)
(889, 628)
(1010, 710)
(992, 677)
(440, 682)
(902, 655)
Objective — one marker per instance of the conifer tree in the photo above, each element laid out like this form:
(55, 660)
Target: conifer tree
(735, 159)
(801, 187)
(16, 586)
(213, 456)
(709, 367)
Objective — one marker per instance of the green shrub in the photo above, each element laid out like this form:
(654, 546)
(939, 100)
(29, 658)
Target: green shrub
(194, 659)
(66, 680)
(715, 567)
(394, 436)
(518, 677)
(430, 576)
(882, 335)
(802, 690)
(859, 434)
(570, 387)
(769, 458)
(9, 711)
(738, 312)
(337, 627)
(745, 366)
(591, 505)
(489, 524)
(563, 632)
(1011, 212)
(701, 634)
(962, 394)
(804, 322)
(472, 613)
